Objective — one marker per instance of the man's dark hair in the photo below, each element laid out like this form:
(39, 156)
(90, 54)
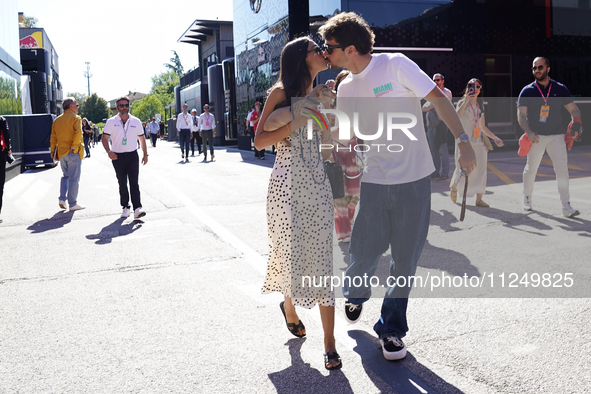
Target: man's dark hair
(122, 98)
(348, 28)
(544, 59)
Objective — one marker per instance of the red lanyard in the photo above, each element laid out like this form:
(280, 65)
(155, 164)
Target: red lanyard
(548, 95)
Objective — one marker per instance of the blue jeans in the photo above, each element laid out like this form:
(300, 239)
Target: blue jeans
(395, 216)
(184, 140)
(440, 154)
(71, 165)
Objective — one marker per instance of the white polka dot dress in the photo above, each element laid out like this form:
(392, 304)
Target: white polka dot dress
(300, 219)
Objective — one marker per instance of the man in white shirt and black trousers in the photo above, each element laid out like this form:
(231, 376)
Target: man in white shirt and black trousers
(207, 129)
(125, 130)
(183, 125)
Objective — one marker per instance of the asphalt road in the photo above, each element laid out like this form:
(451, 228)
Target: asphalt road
(92, 303)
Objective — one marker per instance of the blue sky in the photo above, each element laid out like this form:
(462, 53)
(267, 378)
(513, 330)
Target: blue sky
(126, 43)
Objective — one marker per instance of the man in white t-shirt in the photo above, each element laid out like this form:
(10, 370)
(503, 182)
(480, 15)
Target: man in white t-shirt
(125, 130)
(437, 134)
(395, 201)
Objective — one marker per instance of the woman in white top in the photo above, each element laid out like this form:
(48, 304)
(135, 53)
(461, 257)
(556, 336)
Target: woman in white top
(470, 109)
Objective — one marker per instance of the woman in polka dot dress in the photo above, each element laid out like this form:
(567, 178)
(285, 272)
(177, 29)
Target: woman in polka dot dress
(299, 200)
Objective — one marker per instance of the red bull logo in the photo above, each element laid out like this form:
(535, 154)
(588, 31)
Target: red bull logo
(34, 40)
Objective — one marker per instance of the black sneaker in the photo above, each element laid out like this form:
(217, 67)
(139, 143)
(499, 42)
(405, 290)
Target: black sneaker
(393, 348)
(352, 312)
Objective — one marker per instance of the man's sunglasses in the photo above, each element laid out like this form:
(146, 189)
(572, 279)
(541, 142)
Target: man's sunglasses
(123, 105)
(329, 48)
(538, 68)
(205, 107)
(317, 49)
(437, 80)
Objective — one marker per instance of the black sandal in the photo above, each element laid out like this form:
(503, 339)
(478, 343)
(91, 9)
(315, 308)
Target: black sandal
(332, 356)
(292, 327)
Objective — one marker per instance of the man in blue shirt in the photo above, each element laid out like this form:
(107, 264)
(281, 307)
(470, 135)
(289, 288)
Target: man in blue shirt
(539, 115)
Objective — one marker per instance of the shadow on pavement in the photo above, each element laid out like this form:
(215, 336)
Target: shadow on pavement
(400, 376)
(446, 260)
(301, 378)
(432, 257)
(513, 220)
(115, 229)
(58, 220)
(576, 224)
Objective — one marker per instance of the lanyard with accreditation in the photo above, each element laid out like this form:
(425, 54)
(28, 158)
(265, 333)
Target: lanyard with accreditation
(125, 127)
(207, 120)
(545, 109)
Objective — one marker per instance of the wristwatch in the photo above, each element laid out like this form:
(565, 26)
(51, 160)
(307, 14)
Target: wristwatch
(463, 138)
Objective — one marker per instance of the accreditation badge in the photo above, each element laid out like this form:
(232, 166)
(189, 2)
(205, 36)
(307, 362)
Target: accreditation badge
(544, 112)
(476, 132)
(124, 142)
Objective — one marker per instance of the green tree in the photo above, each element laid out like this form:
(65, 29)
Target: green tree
(80, 97)
(175, 64)
(145, 108)
(94, 108)
(29, 21)
(163, 87)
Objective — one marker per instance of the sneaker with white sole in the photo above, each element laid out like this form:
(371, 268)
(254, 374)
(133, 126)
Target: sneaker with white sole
(125, 213)
(76, 207)
(139, 213)
(393, 348)
(62, 204)
(353, 312)
(568, 211)
(526, 204)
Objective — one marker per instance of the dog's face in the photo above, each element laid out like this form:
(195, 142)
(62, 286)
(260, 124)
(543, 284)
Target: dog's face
(322, 91)
(325, 91)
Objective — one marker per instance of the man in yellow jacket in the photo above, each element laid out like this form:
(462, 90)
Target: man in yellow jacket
(66, 136)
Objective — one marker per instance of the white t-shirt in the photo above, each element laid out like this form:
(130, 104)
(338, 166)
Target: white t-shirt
(249, 117)
(447, 92)
(123, 138)
(391, 83)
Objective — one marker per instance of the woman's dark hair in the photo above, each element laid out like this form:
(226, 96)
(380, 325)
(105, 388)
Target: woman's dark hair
(340, 77)
(294, 75)
(479, 99)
